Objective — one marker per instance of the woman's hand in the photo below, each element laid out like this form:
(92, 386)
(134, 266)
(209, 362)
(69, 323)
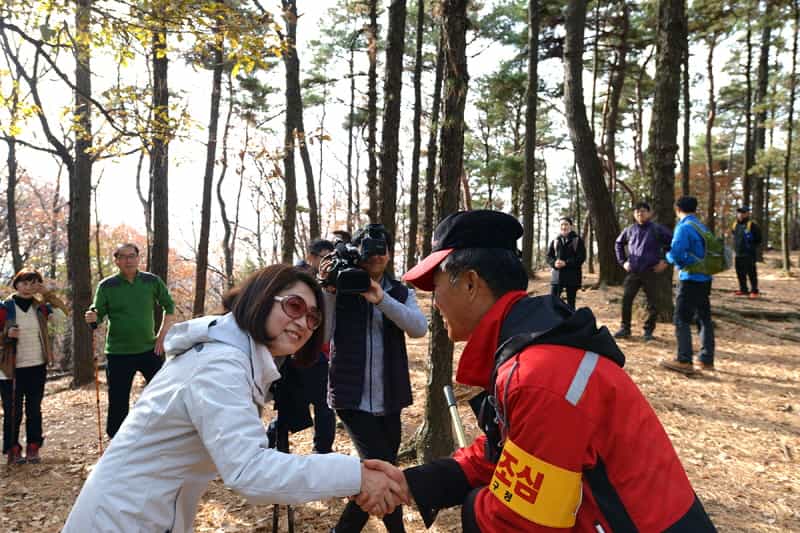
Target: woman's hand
(560, 263)
(375, 293)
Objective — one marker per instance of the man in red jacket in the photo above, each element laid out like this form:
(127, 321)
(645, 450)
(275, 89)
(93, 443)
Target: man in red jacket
(571, 443)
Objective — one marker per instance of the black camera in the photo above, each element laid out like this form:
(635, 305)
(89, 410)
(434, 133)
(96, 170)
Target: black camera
(345, 272)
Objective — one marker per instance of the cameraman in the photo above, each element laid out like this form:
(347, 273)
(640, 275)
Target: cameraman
(369, 381)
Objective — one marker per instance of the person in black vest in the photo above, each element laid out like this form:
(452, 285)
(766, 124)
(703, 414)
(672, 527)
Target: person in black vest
(369, 383)
(746, 239)
(566, 255)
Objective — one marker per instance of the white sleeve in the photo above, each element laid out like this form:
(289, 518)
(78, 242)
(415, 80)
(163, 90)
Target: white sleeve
(220, 405)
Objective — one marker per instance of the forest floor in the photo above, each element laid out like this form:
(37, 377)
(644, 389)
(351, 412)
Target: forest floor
(737, 430)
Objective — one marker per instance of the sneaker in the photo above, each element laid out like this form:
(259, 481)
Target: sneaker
(32, 453)
(648, 336)
(677, 366)
(623, 333)
(15, 455)
(740, 293)
(753, 295)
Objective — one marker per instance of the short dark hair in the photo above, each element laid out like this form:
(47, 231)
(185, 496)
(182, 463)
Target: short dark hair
(253, 301)
(317, 246)
(502, 270)
(26, 274)
(687, 204)
(343, 235)
(565, 219)
(641, 205)
(124, 245)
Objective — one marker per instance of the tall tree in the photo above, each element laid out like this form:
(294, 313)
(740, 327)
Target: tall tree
(531, 96)
(598, 198)
(217, 65)
(413, 203)
(390, 135)
(671, 43)
(433, 133)
(785, 220)
(760, 136)
(372, 110)
(749, 146)
(159, 150)
(687, 121)
(436, 439)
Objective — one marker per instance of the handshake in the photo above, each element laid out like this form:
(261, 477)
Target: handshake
(383, 488)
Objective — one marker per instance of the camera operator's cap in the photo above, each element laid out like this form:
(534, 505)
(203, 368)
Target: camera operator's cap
(465, 229)
(743, 209)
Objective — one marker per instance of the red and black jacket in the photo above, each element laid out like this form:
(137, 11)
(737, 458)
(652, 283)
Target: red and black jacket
(581, 448)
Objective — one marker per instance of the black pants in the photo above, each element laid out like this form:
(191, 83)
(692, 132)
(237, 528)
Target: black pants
(746, 268)
(29, 392)
(633, 282)
(120, 370)
(314, 381)
(375, 437)
(556, 290)
(692, 306)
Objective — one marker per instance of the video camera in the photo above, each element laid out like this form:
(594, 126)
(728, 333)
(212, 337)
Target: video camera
(346, 272)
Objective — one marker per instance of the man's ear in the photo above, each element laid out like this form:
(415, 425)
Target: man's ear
(472, 282)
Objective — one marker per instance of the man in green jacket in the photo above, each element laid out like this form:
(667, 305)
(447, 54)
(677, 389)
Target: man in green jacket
(128, 299)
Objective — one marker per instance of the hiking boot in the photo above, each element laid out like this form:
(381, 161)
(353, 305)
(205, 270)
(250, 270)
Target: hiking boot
(702, 365)
(32, 453)
(648, 335)
(623, 333)
(15, 455)
(677, 366)
(753, 295)
(740, 293)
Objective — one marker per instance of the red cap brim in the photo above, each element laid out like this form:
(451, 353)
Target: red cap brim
(421, 276)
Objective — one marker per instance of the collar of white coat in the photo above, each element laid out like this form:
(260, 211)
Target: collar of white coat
(224, 329)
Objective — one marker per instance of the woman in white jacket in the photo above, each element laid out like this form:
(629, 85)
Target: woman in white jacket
(200, 416)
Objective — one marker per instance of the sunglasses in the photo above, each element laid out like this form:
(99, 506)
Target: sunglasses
(295, 307)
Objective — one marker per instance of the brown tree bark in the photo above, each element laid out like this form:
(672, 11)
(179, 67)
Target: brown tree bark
(372, 111)
(671, 44)
(687, 121)
(712, 114)
(289, 177)
(390, 135)
(413, 203)
(749, 146)
(11, 205)
(785, 220)
(230, 226)
(529, 173)
(598, 198)
(201, 270)
(615, 84)
(159, 160)
(760, 137)
(435, 438)
(433, 135)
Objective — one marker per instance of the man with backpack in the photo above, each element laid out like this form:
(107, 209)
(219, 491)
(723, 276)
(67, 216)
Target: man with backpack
(560, 414)
(689, 253)
(746, 239)
(640, 251)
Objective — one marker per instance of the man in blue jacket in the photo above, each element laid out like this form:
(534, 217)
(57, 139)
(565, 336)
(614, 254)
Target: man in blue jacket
(640, 251)
(692, 300)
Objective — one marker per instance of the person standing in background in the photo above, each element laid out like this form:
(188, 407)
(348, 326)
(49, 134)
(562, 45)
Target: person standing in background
(566, 256)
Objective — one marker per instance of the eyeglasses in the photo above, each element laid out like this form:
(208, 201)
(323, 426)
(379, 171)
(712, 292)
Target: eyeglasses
(295, 307)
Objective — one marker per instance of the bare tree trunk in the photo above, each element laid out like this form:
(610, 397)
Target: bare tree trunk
(435, 437)
(80, 190)
(201, 270)
(760, 138)
(289, 177)
(749, 145)
(55, 209)
(350, 139)
(529, 173)
(372, 111)
(687, 121)
(785, 220)
(413, 204)
(11, 209)
(671, 44)
(97, 253)
(430, 172)
(159, 161)
(615, 84)
(229, 237)
(390, 134)
(712, 113)
(597, 195)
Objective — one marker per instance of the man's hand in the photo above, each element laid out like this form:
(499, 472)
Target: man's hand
(90, 316)
(660, 267)
(375, 293)
(560, 263)
(627, 266)
(383, 488)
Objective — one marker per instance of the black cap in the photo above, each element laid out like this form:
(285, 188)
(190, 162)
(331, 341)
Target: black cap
(743, 209)
(481, 228)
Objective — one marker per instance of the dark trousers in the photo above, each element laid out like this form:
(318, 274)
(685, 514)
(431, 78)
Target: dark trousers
(120, 370)
(633, 282)
(314, 381)
(29, 393)
(375, 437)
(746, 268)
(692, 306)
(556, 291)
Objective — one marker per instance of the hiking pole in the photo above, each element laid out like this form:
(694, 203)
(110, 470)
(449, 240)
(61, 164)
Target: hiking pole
(93, 327)
(450, 398)
(15, 428)
(282, 445)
